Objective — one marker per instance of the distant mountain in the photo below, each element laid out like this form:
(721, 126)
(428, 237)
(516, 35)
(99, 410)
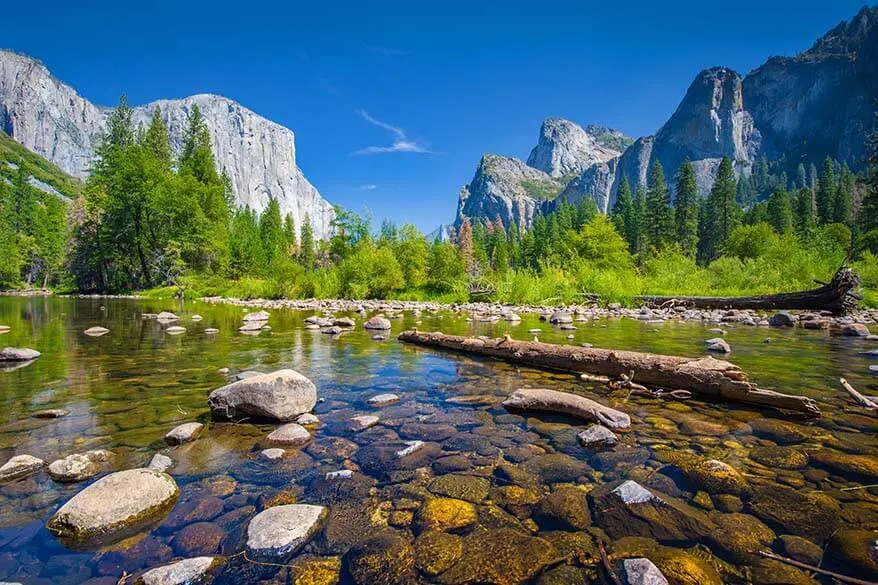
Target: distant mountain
(42, 174)
(50, 119)
(802, 108)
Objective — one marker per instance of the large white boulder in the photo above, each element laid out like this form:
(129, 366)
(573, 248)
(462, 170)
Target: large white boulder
(281, 396)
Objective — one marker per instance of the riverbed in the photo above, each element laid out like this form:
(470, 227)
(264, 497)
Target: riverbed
(530, 504)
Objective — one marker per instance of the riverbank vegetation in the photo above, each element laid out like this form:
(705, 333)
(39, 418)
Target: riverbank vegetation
(145, 221)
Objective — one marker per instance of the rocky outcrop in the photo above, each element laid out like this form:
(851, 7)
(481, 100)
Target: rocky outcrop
(49, 118)
(565, 149)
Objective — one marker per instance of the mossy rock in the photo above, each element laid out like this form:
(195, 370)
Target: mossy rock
(771, 572)
(436, 552)
(386, 559)
(710, 475)
(740, 536)
(316, 571)
(565, 508)
(778, 457)
(801, 549)
(578, 546)
(564, 575)
(727, 503)
(445, 514)
(461, 487)
(781, 431)
(682, 567)
(814, 515)
(859, 467)
(556, 468)
(499, 557)
(856, 551)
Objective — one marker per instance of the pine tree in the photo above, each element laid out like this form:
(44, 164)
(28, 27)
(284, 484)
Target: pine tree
(289, 235)
(638, 218)
(623, 214)
(868, 212)
(801, 177)
(659, 218)
(686, 208)
(157, 141)
(721, 213)
(196, 156)
(465, 245)
(306, 244)
(804, 211)
(271, 231)
(826, 193)
(780, 211)
(500, 247)
(843, 211)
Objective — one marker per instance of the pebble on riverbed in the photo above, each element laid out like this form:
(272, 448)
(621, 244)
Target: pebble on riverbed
(184, 433)
(96, 331)
(277, 533)
(78, 467)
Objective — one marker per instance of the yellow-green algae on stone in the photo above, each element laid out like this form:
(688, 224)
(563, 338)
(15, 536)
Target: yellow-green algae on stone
(98, 511)
(444, 514)
(436, 552)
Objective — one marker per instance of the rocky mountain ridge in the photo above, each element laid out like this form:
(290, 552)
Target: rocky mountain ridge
(803, 108)
(50, 119)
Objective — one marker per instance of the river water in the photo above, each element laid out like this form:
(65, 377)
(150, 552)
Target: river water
(525, 477)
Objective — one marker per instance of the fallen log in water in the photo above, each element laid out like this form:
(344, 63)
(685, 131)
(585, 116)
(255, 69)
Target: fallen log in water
(569, 404)
(838, 296)
(702, 376)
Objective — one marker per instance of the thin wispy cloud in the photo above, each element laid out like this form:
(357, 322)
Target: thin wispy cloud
(401, 141)
(386, 51)
(369, 187)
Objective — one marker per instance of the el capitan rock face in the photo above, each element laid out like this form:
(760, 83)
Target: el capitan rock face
(808, 107)
(49, 118)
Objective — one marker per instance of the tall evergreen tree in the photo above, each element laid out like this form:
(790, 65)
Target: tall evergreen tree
(659, 221)
(801, 177)
(157, 141)
(271, 231)
(826, 193)
(465, 244)
(805, 218)
(196, 156)
(686, 208)
(306, 244)
(622, 214)
(721, 212)
(780, 211)
(844, 197)
(638, 219)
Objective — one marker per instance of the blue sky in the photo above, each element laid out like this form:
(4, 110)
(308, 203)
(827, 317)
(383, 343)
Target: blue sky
(394, 103)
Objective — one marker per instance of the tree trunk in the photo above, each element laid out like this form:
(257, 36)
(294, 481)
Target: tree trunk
(705, 376)
(839, 296)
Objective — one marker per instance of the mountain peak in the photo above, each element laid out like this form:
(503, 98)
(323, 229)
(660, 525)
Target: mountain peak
(848, 36)
(565, 149)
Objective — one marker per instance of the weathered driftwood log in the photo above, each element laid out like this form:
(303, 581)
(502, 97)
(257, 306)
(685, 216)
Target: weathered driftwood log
(705, 376)
(859, 398)
(573, 405)
(838, 296)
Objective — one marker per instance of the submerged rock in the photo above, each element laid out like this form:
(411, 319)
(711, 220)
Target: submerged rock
(436, 552)
(184, 433)
(20, 466)
(565, 508)
(383, 399)
(363, 422)
(801, 549)
(282, 395)
(780, 431)
(289, 435)
(627, 508)
(160, 462)
(98, 511)
(51, 413)
(18, 354)
(445, 514)
(780, 457)
(386, 559)
(462, 487)
(279, 532)
(740, 536)
(194, 571)
(813, 515)
(863, 467)
(715, 477)
(499, 557)
(855, 552)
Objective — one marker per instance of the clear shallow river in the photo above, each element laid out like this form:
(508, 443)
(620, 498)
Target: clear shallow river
(125, 390)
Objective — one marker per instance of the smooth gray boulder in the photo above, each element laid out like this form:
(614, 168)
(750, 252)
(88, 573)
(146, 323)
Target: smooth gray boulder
(782, 319)
(597, 437)
(96, 331)
(18, 354)
(175, 330)
(383, 399)
(257, 316)
(161, 462)
(78, 467)
(718, 345)
(20, 466)
(167, 316)
(279, 532)
(51, 413)
(289, 435)
(194, 571)
(99, 511)
(641, 572)
(280, 396)
(363, 422)
(377, 322)
(184, 433)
